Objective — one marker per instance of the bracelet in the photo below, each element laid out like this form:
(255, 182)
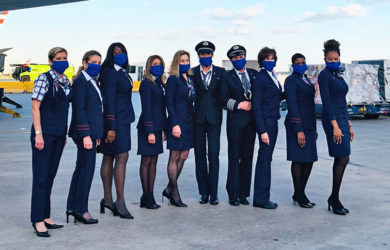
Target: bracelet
(38, 132)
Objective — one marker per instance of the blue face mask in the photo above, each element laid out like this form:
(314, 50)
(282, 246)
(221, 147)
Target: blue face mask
(206, 61)
(269, 65)
(120, 59)
(333, 65)
(60, 66)
(239, 64)
(183, 68)
(93, 69)
(300, 69)
(157, 70)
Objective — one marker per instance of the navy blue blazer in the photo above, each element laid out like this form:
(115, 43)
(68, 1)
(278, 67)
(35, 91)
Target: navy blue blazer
(207, 105)
(180, 104)
(117, 90)
(300, 103)
(153, 116)
(333, 90)
(266, 100)
(232, 93)
(87, 113)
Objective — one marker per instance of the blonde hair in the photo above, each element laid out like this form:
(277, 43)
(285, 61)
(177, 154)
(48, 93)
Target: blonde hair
(54, 51)
(174, 69)
(149, 62)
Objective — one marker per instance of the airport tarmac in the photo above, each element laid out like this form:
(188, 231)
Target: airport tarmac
(365, 191)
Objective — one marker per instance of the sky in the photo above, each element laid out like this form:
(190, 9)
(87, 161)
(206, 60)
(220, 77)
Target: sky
(149, 27)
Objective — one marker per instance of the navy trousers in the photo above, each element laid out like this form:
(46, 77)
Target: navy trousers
(82, 178)
(262, 180)
(241, 143)
(45, 164)
(207, 177)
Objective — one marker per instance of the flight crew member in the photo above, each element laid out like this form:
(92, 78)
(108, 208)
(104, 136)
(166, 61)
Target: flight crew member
(335, 120)
(236, 96)
(207, 124)
(151, 127)
(267, 94)
(50, 103)
(86, 130)
(180, 99)
(301, 129)
(117, 87)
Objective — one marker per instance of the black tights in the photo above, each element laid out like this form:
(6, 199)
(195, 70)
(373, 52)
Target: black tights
(339, 166)
(300, 172)
(147, 172)
(106, 172)
(175, 166)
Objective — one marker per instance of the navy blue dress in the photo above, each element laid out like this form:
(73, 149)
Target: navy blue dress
(118, 109)
(333, 90)
(180, 106)
(301, 117)
(153, 117)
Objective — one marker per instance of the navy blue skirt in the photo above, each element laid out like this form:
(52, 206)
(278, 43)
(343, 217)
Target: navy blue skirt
(344, 148)
(185, 142)
(121, 144)
(296, 153)
(145, 148)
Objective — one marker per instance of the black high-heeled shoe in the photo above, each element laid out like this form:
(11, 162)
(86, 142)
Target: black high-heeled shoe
(80, 217)
(40, 234)
(166, 194)
(123, 216)
(337, 208)
(53, 226)
(308, 201)
(69, 213)
(104, 204)
(301, 202)
(176, 203)
(147, 202)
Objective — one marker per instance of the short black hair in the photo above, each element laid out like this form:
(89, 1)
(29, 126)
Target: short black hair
(109, 60)
(264, 53)
(331, 45)
(296, 56)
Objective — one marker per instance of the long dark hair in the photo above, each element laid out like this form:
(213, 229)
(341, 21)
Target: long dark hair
(109, 60)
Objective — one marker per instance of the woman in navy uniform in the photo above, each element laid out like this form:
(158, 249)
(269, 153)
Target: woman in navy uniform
(117, 87)
(335, 119)
(208, 120)
(86, 130)
(301, 130)
(180, 98)
(236, 96)
(267, 94)
(50, 103)
(151, 127)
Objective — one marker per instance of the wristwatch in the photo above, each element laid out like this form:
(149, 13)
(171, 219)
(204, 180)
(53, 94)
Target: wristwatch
(37, 132)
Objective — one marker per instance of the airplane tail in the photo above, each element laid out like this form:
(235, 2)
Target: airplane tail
(3, 14)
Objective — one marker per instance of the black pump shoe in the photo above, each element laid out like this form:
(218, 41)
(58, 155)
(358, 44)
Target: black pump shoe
(53, 226)
(337, 208)
(147, 202)
(166, 194)
(69, 213)
(80, 217)
(123, 216)
(177, 203)
(103, 205)
(40, 234)
(301, 202)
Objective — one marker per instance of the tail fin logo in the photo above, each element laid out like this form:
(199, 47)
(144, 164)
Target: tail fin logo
(3, 14)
